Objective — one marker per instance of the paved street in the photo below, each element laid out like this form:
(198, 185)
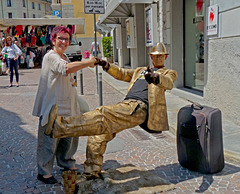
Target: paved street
(153, 152)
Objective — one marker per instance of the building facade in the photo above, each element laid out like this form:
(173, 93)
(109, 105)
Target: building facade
(24, 8)
(75, 9)
(202, 37)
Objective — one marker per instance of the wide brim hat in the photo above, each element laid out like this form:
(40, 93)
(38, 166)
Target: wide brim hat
(159, 49)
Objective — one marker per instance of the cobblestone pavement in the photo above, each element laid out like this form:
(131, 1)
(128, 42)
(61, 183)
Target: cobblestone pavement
(153, 152)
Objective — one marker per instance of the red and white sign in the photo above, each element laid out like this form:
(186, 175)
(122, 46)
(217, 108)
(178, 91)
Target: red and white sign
(212, 24)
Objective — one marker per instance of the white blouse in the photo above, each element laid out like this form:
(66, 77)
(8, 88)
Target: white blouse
(55, 87)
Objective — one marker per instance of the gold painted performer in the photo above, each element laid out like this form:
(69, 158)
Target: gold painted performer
(144, 104)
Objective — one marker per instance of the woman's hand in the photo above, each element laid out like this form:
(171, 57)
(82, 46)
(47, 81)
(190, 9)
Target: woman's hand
(92, 62)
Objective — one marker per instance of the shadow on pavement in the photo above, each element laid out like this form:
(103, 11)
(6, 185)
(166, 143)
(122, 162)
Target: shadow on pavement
(18, 156)
(175, 173)
(127, 178)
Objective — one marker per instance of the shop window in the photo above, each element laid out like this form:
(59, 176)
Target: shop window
(9, 15)
(194, 44)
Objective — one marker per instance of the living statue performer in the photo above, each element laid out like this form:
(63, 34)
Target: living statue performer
(144, 104)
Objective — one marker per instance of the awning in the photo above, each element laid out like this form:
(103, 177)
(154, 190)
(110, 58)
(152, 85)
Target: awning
(119, 9)
(41, 21)
(79, 22)
(103, 28)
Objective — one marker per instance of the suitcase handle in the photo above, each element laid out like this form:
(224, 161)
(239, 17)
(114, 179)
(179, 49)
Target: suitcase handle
(196, 105)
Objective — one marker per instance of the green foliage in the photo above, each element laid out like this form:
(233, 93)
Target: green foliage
(107, 46)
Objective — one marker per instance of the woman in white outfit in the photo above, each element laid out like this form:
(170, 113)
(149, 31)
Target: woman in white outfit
(57, 87)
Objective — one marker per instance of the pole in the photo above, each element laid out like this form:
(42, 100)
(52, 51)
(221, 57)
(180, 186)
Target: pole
(95, 54)
(81, 81)
(100, 90)
(2, 9)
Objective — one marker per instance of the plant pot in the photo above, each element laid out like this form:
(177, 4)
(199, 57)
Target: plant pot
(110, 59)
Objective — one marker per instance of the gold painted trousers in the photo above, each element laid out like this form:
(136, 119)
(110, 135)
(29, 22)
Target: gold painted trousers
(101, 125)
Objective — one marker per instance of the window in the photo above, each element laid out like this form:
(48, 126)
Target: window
(9, 15)
(9, 3)
(39, 6)
(24, 15)
(34, 16)
(58, 1)
(194, 44)
(33, 5)
(23, 3)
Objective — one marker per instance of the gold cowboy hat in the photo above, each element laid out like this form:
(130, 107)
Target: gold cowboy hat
(159, 49)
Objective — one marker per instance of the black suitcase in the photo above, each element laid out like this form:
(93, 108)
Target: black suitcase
(199, 138)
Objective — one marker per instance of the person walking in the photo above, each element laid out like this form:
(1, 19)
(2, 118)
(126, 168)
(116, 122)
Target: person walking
(13, 53)
(144, 105)
(93, 49)
(56, 86)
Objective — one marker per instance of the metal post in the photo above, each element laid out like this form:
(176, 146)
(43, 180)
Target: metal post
(100, 89)
(81, 82)
(95, 37)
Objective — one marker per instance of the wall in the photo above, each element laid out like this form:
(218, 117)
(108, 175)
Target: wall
(89, 19)
(17, 9)
(222, 89)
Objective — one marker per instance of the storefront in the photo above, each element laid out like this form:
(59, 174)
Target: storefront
(202, 37)
(35, 33)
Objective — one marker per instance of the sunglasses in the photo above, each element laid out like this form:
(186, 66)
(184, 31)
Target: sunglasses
(67, 40)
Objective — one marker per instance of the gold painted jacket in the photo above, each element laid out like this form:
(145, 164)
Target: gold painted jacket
(157, 112)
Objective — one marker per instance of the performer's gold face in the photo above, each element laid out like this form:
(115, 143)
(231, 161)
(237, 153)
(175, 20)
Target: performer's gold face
(158, 60)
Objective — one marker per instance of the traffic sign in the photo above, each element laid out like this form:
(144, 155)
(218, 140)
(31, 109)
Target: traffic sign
(57, 13)
(94, 6)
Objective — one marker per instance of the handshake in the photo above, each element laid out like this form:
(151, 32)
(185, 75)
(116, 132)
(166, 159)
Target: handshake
(105, 65)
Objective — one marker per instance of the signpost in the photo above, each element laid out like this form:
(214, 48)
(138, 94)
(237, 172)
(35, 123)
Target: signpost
(95, 7)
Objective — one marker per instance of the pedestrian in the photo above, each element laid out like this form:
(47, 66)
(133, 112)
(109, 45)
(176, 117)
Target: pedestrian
(144, 105)
(56, 86)
(28, 54)
(4, 57)
(13, 53)
(19, 58)
(93, 49)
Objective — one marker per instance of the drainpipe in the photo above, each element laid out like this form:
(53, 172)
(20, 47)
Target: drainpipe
(27, 10)
(2, 9)
(161, 20)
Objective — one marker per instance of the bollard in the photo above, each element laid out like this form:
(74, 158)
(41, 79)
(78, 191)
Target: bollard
(81, 82)
(100, 89)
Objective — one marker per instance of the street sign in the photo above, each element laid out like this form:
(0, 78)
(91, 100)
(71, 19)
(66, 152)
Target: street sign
(94, 6)
(57, 13)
